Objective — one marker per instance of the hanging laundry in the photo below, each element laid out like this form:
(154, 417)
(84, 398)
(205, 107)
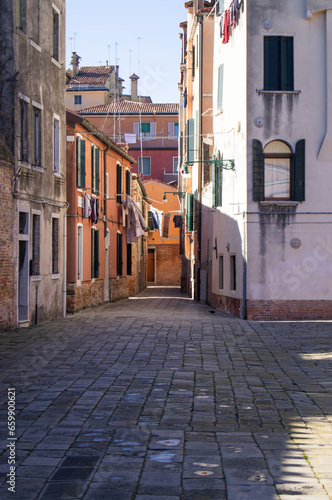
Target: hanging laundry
(87, 206)
(130, 138)
(177, 219)
(158, 214)
(94, 217)
(226, 28)
(167, 218)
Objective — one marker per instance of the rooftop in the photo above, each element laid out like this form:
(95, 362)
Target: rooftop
(132, 107)
(92, 75)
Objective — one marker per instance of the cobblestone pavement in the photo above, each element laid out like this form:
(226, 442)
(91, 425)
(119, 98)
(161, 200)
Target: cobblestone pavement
(158, 398)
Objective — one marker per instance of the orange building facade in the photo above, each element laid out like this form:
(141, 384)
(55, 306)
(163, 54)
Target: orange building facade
(163, 259)
(98, 182)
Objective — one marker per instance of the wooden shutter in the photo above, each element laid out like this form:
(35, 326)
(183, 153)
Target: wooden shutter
(298, 172)
(271, 63)
(55, 245)
(129, 253)
(214, 175)
(220, 86)
(286, 63)
(191, 140)
(190, 212)
(118, 182)
(258, 171)
(96, 170)
(96, 262)
(80, 160)
(128, 182)
(119, 254)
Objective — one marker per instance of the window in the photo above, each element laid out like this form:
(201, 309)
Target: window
(129, 254)
(220, 7)
(190, 212)
(144, 165)
(128, 182)
(278, 173)
(190, 133)
(24, 142)
(173, 130)
(279, 63)
(119, 182)
(56, 18)
(216, 183)
(55, 245)
(35, 20)
(36, 136)
(193, 62)
(221, 272)
(79, 252)
(233, 271)
(35, 261)
(56, 145)
(175, 164)
(77, 99)
(119, 254)
(94, 253)
(145, 130)
(22, 15)
(80, 162)
(220, 86)
(277, 170)
(95, 169)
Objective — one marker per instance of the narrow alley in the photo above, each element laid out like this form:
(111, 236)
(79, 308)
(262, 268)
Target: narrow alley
(160, 398)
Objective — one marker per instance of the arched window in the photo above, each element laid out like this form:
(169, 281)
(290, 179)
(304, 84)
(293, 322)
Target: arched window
(277, 170)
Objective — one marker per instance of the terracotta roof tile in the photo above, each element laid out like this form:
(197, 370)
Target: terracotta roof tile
(92, 75)
(128, 107)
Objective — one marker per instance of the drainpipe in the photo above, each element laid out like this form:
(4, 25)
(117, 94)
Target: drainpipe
(244, 298)
(200, 105)
(105, 198)
(64, 270)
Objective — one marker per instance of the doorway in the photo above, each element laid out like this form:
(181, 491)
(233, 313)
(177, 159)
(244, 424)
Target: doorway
(23, 267)
(151, 265)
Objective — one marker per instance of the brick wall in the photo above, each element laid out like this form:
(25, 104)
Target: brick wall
(7, 303)
(227, 305)
(87, 295)
(119, 288)
(289, 310)
(168, 265)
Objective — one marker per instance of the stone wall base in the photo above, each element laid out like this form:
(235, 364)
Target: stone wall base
(119, 288)
(87, 294)
(289, 310)
(227, 305)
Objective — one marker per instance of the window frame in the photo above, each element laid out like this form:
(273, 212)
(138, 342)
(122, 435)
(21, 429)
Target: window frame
(276, 156)
(56, 144)
(55, 33)
(36, 235)
(80, 162)
(119, 254)
(78, 97)
(175, 164)
(94, 253)
(24, 102)
(232, 272)
(80, 252)
(95, 169)
(140, 169)
(55, 244)
(221, 273)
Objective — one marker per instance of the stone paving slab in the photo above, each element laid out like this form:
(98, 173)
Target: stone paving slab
(155, 398)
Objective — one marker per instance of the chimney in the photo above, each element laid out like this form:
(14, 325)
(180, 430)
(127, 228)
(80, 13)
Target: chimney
(134, 94)
(75, 61)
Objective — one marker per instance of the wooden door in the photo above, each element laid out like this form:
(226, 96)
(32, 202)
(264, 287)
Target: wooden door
(150, 267)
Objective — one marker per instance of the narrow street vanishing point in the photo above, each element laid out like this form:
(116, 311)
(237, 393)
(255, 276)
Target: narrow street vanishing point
(160, 397)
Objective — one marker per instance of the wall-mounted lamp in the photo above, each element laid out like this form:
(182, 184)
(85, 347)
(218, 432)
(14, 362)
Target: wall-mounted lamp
(185, 172)
(180, 194)
(225, 164)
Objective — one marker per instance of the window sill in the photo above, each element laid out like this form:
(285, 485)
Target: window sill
(36, 277)
(38, 169)
(280, 203)
(262, 91)
(55, 276)
(35, 45)
(24, 164)
(55, 62)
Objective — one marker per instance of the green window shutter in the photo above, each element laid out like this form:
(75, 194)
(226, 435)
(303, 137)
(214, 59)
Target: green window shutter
(181, 148)
(214, 180)
(191, 140)
(286, 63)
(92, 253)
(190, 212)
(193, 62)
(298, 172)
(128, 182)
(78, 162)
(96, 262)
(96, 167)
(258, 171)
(118, 182)
(145, 128)
(220, 86)
(271, 63)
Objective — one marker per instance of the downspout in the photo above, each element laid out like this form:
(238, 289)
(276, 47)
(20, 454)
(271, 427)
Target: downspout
(105, 197)
(64, 270)
(244, 298)
(200, 105)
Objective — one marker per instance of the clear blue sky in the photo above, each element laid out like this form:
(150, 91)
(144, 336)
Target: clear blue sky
(94, 28)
